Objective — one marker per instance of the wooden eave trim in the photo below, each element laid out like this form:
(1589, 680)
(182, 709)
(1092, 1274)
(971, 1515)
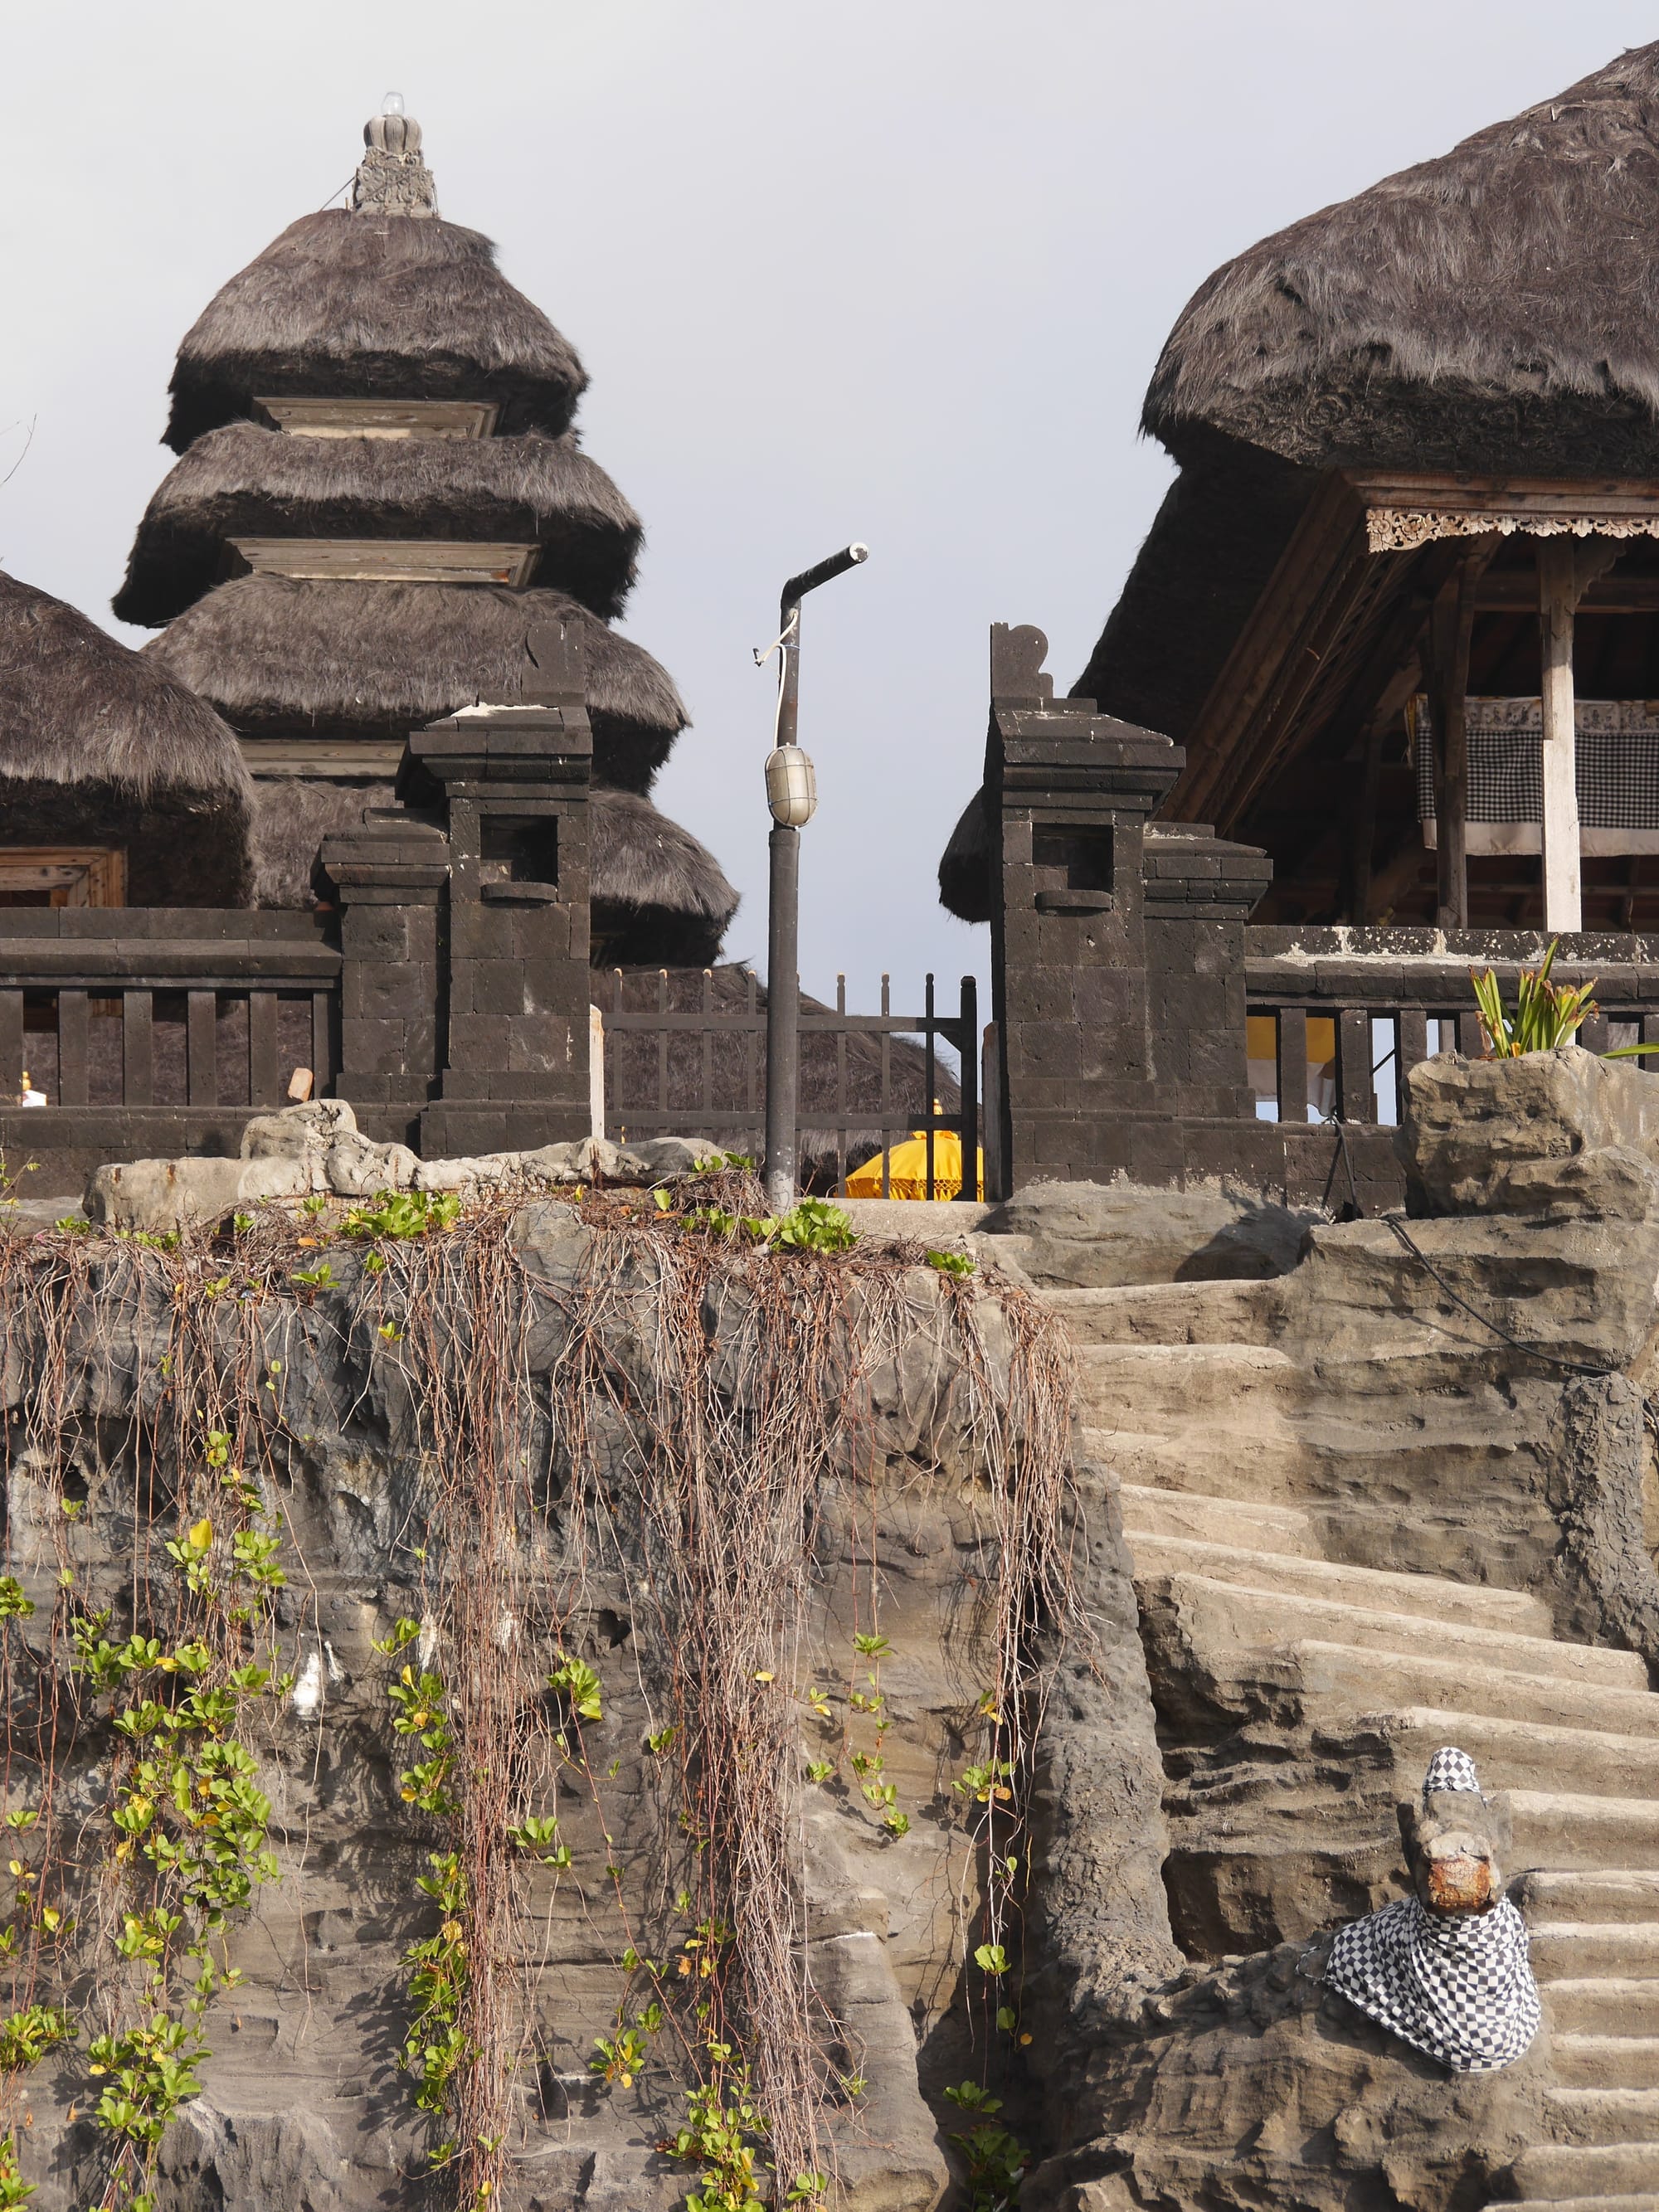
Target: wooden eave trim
(389, 560)
(1306, 596)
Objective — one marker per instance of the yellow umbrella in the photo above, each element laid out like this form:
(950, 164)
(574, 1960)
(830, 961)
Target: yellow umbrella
(907, 1168)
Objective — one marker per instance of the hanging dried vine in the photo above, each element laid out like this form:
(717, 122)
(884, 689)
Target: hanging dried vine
(663, 1418)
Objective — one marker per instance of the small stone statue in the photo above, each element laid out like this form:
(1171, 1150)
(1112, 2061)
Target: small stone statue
(1446, 1968)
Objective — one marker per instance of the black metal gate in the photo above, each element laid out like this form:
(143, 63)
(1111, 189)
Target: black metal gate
(685, 1055)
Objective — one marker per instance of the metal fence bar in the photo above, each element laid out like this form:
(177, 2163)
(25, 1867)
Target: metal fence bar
(969, 1053)
(886, 1089)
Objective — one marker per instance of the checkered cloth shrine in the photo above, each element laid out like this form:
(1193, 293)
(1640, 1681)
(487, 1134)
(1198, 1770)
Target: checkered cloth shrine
(1460, 1988)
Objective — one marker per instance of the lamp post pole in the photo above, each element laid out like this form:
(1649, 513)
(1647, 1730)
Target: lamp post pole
(792, 796)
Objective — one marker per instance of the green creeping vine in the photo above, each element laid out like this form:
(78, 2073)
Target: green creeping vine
(191, 1822)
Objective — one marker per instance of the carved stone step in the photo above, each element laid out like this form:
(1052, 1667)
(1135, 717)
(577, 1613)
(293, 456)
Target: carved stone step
(1574, 1950)
(1208, 1458)
(1249, 1523)
(1607, 2062)
(1560, 2173)
(1373, 1590)
(1603, 2006)
(1564, 1830)
(1517, 1755)
(1356, 1678)
(1598, 1895)
(1647, 2201)
(1606, 2116)
(1169, 1313)
(1164, 1388)
(1218, 1611)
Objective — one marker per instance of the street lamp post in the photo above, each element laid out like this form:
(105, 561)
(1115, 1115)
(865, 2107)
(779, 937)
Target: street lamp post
(792, 795)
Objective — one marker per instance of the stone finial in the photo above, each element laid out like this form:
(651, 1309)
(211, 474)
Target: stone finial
(392, 178)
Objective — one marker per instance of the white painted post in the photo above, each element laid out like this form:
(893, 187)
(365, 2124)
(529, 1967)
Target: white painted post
(1558, 595)
(596, 1072)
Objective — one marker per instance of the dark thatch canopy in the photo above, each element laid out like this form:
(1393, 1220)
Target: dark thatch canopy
(657, 895)
(280, 658)
(632, 1078)
(100, 748)
(964, 868)
(1496, 308)
(1205, 562)
(361, 305)
(243, 481)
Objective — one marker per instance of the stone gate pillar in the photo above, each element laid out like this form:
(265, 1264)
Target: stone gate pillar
(1117, 947)
(390, 875)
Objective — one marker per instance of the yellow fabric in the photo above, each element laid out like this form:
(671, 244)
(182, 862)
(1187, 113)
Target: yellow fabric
(907, 1168)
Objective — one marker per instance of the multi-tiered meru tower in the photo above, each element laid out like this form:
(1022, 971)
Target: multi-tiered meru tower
(379, 497)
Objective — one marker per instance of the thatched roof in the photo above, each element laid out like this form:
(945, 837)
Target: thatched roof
(1498, 307)
(631, 1066)
(279, 657)
(964, 868)
(243, 481)
(1205, 562)
(657, 895)
(365, 305)
(98, 747)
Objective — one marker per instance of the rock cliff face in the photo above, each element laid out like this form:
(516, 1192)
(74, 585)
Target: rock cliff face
(301, 2101)
(1339, 1495)
(1399, 1496)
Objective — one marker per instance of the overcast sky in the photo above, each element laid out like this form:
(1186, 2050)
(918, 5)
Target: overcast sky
(896, 270)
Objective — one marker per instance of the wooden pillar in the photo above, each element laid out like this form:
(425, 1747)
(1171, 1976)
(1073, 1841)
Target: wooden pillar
(1558, 597)
(1451, 626)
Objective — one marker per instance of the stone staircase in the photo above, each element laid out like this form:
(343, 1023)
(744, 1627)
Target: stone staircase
(1277, 1663)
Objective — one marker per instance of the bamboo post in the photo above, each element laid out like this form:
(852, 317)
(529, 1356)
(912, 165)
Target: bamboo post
(1558, 597)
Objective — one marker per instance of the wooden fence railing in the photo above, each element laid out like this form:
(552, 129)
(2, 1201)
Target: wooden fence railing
(1337, 1017)
(182, 1007)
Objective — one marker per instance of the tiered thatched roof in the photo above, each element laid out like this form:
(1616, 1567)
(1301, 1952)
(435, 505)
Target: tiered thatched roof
(363, 304)
(100, 748)
(246, 482)
(384, 302)
(359, 660)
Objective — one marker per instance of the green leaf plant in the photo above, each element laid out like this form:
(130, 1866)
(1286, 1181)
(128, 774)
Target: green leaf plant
(1545, 1015)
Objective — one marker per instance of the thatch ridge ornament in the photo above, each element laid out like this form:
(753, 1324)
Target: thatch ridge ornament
(392, 178)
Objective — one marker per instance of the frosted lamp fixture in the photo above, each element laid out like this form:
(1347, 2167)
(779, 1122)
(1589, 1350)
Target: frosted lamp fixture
(392, 104)
(792, 788)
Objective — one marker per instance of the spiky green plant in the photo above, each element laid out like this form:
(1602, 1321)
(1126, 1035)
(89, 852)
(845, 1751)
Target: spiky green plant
(1547, 1014)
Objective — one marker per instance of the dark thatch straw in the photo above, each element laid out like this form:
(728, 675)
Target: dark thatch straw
(1498, 307)
(1204, 563)
(365, 306)
(246, 482)
(97, 747)
(964, 868)
(658, 893)
(361, 660)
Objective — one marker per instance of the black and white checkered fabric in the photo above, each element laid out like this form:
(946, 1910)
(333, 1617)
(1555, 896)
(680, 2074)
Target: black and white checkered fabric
(1615, 767)
(1460, 1989)
(1451, 1769)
